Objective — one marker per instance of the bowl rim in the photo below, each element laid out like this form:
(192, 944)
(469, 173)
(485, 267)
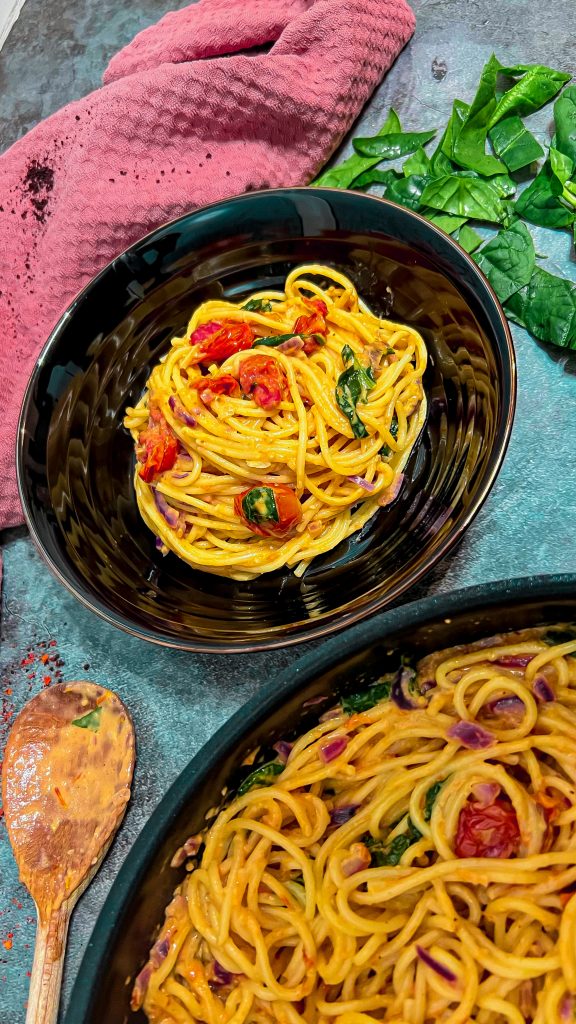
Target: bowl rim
(304, 630)
(256, 711)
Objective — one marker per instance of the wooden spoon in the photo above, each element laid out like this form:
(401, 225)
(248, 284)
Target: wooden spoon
(67, 771)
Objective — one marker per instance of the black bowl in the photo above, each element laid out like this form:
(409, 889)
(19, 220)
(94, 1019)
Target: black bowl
(135, 906)
(75, 459)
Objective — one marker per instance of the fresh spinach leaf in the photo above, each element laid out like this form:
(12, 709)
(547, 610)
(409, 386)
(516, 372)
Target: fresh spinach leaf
(465, 197)
(393, 145)
(565, 120)
(508, 260)
(354, 703)
(385, 449)
(418, 163)
(536, 87)
(540, 204)
(430, 798)
(264, 775)
(562, 165)
(550, 309)
(258, 306)
(453, 128)
(375, 177)
(90, 721)
(516, 146)
(384, 854)
(352, 387)
(448, 222)
(408, 191)
(469, 143)
(468, 238)
(345, 173)
(514, 307)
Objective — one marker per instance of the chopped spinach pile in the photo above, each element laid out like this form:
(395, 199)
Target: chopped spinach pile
(474, 174)
(263, 775)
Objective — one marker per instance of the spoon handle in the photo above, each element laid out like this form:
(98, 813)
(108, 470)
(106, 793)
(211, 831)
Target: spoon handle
(46, 979)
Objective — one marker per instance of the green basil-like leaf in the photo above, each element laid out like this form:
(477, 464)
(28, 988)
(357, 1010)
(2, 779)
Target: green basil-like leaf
(418, 163)
(354, 703)
(468, 238)
(508, 260)
(430, 798)
(259, 505)
(537, 86)
(264, 775)
(465, 197)
(352, 387)
(344, 174)
(540, 202)
(550, 309)
(275, 339)
(393, 145)
(90, 721)
(565, 120)
(258, 306)
(516, 146)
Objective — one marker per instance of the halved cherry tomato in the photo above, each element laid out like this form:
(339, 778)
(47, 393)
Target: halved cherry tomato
(263, 378)
(487, 831)
(157, 450)
(271, 510)
(312, 324)
(225, 384)
(230, 338)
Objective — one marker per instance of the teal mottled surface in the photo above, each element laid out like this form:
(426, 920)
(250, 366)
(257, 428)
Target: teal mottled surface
(528, 524)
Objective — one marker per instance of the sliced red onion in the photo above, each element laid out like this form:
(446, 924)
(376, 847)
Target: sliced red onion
(514, 660)
(329, 715)
(435, 964)
(312, 701)
(567, 1008)
(179, 476)
(542, 690)
(359, 859)
(221, 975)
(511, 707)
(485, 793)
(188, 849)
(291, 345)
(204, 331)
(140, 986)
(159, 952)
(400, 693)
(180, 412)
(361, 482)
(392, 492)
(283, 749)
(160, 546)
(340, 815)
(427, 685)
(471, 735)
(332, 748)
(170, 514)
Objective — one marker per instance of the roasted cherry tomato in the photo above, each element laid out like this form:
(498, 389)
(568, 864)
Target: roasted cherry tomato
(313, 324)
(225, 384)
(230, 338)
(263, 378)
(487, 831)
(157, 450)
(272, 510)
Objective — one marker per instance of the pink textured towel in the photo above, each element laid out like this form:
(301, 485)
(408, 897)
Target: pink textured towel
(183, 119)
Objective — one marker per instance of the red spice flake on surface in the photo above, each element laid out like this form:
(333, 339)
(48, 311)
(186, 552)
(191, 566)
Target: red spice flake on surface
(46, 680)
(8, 691)
(44, 658)
(7, 942)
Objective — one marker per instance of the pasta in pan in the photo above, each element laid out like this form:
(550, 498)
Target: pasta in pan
(276, 428)
(410, 859)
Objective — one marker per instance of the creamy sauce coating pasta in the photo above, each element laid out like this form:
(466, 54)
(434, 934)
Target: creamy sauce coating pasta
(410, 859)
(276, 428)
